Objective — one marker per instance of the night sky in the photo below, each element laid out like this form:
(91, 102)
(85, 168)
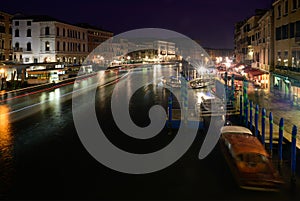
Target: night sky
(211, 22)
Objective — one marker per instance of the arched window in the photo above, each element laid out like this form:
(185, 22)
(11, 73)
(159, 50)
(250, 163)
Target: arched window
(47, 31)
(28, 32)
(17, 33)
(47, 46)
(17, 45)
(29, 46)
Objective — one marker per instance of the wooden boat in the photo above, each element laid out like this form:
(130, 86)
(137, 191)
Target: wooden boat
(248, 160)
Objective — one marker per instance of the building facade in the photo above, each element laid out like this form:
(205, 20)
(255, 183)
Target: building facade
(287, 49)
(42, 39)
(5, 37)
(96, 36)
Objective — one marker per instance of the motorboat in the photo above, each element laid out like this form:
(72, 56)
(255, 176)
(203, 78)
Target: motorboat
(248, 160)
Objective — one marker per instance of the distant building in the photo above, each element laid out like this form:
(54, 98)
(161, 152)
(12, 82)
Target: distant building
(5, 37)
(247, 35)
(41, 39)
(215, 53)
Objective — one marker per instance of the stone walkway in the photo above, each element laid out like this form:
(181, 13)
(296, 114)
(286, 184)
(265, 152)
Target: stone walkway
(280, 108)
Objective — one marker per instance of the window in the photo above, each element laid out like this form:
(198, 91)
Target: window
(28, 23)
(47, 31)
(17, 23)
(83, 36)
(83, 48)
(57, 31)
(64, 32)
(286, 7)
(2, 44)
(28, 46)
(17, 33)
(28, 32)
(278, 33)
(17, 45)
(47, 46)
(285, 60)
(298, 3)
(279, 58)
(292, 30)
(64, 46)
(298, 29)
(10, 30)
(285, 32)
(57, 45)
(279, 11)
(78, 35)
(2, 29)
(294, 4)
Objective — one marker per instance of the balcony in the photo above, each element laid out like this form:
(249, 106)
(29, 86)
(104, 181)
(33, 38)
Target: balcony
(288, 68)
(18, 49)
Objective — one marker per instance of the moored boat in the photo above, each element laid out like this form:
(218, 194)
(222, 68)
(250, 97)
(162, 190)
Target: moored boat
(248, 160)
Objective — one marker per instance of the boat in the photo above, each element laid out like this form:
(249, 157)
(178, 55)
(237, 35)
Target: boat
(199, 83)
(211, 103)
(173, 81)
(248, 160)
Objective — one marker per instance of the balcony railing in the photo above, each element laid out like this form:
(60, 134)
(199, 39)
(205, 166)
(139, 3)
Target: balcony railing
(18, 49)
(289, 68)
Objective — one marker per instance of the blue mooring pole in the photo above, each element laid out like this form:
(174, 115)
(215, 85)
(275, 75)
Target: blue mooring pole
(232, 88)
(280, 140)
(251, 115)
(263, 126)
(246, 113)
(256, 120)
(170, 107)
(271, 133)
(293, 154)
(241, 108)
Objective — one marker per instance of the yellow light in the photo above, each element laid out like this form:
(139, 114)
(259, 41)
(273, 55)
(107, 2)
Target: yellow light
(1, 70)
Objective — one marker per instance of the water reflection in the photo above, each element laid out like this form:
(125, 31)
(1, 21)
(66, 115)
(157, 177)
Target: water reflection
(6, 149)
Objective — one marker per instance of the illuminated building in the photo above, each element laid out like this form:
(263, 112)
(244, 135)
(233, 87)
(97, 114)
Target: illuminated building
(5, 37)
(41, 39)
(287, 49)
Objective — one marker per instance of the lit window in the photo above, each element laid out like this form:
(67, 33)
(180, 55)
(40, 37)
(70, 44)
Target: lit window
(47, 46)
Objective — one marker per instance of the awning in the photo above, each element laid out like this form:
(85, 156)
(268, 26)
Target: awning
(255, 72)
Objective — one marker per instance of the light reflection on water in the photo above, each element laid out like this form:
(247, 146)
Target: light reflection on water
(6, 149)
